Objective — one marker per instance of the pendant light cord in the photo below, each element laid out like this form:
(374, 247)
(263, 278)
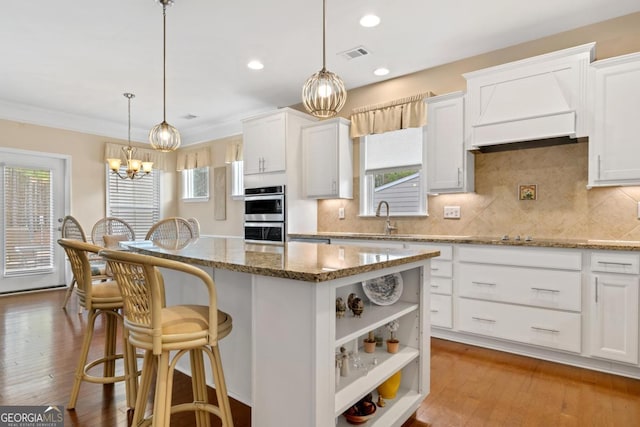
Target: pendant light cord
(324, 28)
(164, 61)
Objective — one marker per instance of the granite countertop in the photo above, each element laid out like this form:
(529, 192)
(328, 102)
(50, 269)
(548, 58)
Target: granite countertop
(619, 245)
(310, 262)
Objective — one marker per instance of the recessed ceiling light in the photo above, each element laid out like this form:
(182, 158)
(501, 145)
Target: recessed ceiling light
(255, 65)
(369, 21)
(381, 71)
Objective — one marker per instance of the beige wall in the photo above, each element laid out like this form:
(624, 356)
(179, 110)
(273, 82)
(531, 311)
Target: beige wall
(204, 211)
(564, 208)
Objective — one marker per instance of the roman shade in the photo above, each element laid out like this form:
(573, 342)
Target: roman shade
(381, 151)
(399, 114)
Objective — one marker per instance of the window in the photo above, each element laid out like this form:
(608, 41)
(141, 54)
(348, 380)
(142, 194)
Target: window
(195, 184)
(28, 219)
(392, 169)
(135, 201)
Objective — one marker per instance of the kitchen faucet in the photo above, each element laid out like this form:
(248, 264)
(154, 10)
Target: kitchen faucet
(388, 227)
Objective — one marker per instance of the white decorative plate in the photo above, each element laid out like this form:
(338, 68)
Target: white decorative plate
(384, 290)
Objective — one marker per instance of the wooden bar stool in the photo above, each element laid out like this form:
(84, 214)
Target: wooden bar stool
(160, 330)
(99, 298)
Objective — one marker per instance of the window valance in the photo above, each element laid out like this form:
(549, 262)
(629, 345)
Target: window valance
(114, 151)
(193, 159)
(399, 114)
(233, 151)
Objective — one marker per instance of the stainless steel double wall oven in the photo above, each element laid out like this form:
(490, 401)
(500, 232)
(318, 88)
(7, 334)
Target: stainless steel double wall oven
(264, 214)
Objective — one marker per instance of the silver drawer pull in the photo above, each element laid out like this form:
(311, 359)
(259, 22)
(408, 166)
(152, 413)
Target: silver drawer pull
(553, 331)
(434, 269)
(435, 286)
(483, 283)
(434, 310)
(555, 291)
(615, 263)
(482, 319)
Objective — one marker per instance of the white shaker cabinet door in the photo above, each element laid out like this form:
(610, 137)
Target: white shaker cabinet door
(613, 146)
(614, 317)
(264, 142)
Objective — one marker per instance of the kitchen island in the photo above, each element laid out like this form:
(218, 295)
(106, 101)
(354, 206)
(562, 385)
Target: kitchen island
(280, 358)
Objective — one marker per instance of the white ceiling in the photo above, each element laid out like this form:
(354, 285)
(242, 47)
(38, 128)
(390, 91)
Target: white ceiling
(66, 63)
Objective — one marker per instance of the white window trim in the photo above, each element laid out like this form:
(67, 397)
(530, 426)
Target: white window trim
(187, 199)
(365, 197)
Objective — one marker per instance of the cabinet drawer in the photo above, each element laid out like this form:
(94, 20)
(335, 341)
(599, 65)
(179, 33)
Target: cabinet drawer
(615, 263)
(522, 257)
(441, 268)
(441, 285)
(441, 311)
(530, 286)
(529, 325)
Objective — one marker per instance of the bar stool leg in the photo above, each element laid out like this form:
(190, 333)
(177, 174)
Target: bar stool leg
(68, 293)
(199, 386)
(84, 354)
(111, 330)
(162, 401)
(131, 370)
(221, 387)
(148, 373)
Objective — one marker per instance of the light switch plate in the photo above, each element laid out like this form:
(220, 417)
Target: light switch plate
(340, 213)
(452, 212)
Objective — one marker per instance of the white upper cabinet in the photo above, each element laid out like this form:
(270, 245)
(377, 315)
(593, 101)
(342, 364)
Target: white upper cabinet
(613, 146)
(450, 166)
(327, 156)
(532, 99)
(264, 141)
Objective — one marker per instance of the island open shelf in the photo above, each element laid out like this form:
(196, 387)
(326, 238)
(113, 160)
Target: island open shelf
(349, 328)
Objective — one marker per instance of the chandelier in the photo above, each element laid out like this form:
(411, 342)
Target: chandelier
(135, 168)
(163, 136)
(324, 94)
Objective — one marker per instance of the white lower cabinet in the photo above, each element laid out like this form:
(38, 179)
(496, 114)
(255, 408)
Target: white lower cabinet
(441, 284)
(530, 325)
(528, 295)
(441, 311)
(614, 308)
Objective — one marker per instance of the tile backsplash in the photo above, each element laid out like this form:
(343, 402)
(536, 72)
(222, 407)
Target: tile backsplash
(563, 208)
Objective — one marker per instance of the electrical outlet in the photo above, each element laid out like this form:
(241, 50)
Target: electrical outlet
(340, 213)
(452, 212)
(638, 210)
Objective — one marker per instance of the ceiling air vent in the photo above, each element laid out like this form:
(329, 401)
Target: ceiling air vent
(356, 52)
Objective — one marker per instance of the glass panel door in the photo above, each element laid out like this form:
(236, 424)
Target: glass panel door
(32, 198)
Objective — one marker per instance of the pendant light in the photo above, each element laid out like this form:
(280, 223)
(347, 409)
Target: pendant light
(135, 168)
(164, 137)
(324, 94)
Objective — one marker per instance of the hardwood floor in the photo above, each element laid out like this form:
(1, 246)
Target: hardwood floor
(470, 386)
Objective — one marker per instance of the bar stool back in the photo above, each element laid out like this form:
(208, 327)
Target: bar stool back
(99, 298)
(159, 330)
